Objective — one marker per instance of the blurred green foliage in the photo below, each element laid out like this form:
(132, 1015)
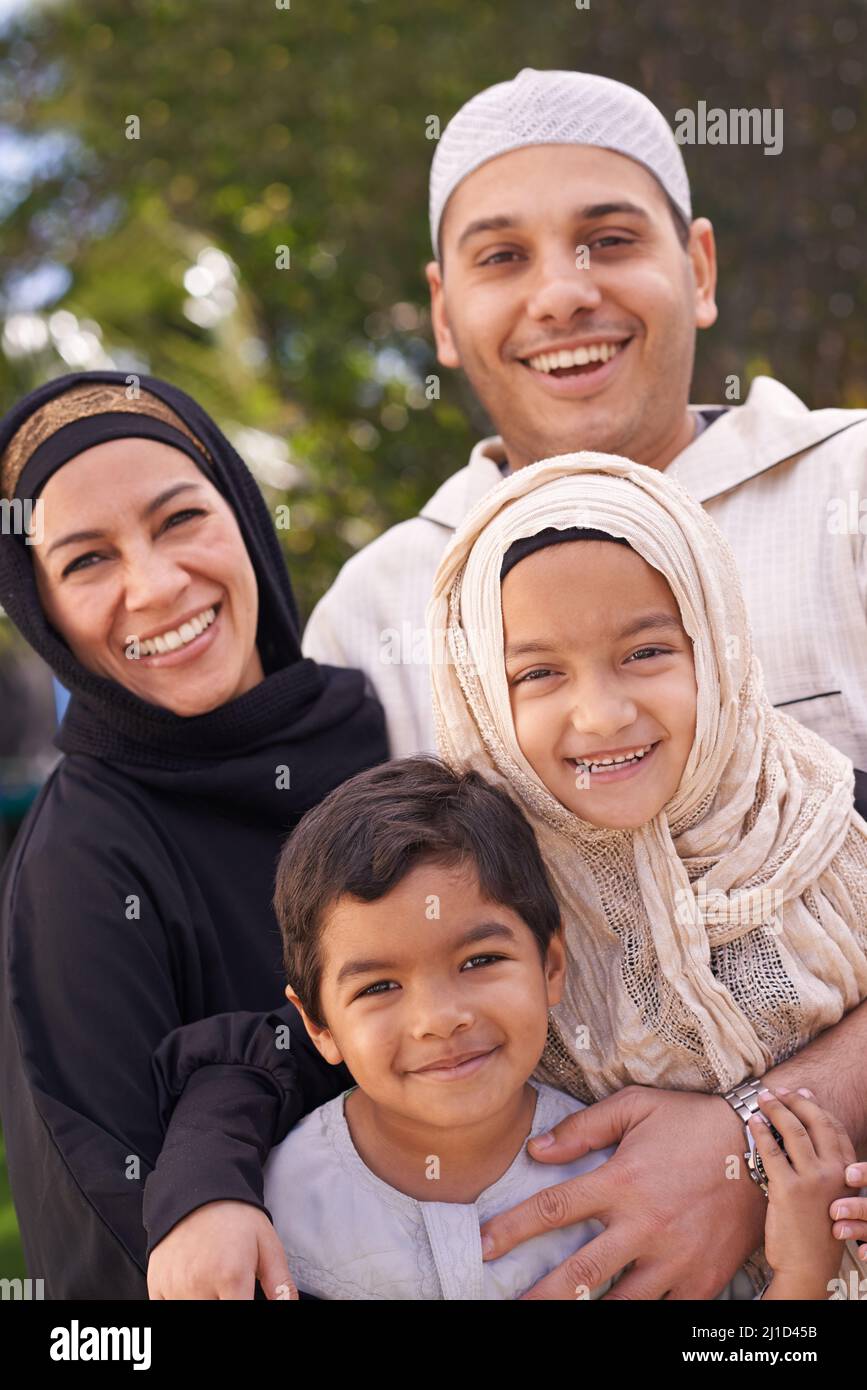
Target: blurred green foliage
(305, 127)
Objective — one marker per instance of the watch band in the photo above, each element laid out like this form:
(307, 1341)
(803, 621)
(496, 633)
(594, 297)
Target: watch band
(743, 1099)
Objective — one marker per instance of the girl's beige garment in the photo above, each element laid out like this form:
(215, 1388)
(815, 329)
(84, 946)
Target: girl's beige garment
(723, 935)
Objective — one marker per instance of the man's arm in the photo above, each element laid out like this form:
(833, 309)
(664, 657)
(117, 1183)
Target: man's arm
(656, 1211)
(678, 1173)
(834, 1067)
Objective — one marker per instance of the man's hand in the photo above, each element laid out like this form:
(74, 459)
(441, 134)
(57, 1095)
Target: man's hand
(669, 1209)
(218, 1252)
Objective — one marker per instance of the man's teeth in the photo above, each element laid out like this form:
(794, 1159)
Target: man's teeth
(178, 637)
(574, 357)
(610, 762)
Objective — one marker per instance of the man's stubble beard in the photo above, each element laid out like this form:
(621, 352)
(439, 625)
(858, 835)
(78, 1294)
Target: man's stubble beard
(638, 436)
(523, 446)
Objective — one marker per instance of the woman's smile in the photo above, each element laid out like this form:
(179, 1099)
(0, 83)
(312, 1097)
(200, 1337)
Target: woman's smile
(184, 642)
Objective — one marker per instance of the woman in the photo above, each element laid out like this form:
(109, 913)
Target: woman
(137, 896)
(715, 891)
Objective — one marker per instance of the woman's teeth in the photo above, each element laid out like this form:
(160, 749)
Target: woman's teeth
(613, 762)
(574, 357)
(178, 636)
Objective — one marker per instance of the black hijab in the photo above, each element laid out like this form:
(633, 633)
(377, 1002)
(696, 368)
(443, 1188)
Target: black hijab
(137, 895)
(108, 721)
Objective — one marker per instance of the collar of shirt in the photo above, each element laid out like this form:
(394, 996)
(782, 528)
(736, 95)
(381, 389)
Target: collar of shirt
(771, 425)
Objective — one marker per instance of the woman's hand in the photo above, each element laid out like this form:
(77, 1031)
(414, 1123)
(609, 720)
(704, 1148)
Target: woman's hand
(218, 1252)
(803, 1182)
(849, 1213)
(678, 1174)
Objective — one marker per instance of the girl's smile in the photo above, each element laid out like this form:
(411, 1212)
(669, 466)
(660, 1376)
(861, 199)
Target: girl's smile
(620, 765)
(601, 679)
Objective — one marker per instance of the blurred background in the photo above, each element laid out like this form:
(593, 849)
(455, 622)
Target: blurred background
(307, 128)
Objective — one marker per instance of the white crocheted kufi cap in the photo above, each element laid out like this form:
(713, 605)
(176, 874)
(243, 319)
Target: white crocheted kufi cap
(555, 108)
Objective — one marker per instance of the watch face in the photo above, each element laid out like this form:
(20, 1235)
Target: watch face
(755, 1165)
(754, 1158)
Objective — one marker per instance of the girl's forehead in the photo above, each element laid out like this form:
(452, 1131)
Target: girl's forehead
(567, 592)
(573, 569)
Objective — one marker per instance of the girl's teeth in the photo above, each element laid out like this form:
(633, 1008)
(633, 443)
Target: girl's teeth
(615, 762)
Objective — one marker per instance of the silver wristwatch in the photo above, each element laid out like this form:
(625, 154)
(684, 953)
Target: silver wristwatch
(744, 1101)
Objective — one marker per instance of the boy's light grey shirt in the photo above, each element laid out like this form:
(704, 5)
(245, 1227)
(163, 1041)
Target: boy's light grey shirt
(349, 1235)
(777, 479)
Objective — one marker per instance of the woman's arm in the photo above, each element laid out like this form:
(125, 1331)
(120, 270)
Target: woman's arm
(229, 1088)
(239, 1082)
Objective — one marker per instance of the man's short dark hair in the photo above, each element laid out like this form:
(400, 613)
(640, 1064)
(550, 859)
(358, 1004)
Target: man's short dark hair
(369, 833)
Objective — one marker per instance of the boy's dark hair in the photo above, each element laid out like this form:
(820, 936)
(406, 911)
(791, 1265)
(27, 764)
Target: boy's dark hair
(369, 833)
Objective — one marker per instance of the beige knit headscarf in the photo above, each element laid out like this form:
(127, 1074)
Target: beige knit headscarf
(727, 932)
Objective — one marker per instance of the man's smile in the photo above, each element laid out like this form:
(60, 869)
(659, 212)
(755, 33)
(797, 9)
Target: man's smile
(577, 371)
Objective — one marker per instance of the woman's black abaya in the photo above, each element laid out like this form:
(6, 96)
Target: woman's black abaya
(137, 898)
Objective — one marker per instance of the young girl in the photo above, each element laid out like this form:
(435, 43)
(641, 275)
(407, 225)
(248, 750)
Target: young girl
(591, 654)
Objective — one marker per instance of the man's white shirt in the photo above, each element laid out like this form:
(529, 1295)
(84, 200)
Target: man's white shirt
(787, 486)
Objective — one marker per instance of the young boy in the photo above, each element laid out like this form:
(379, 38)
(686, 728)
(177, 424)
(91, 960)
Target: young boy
(424, 948)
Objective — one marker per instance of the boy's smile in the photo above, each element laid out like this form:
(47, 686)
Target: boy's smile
(456, 1066)
(601, 679)
(437, 1001)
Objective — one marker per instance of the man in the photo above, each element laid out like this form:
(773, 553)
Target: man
(561, 224)
(569, 281)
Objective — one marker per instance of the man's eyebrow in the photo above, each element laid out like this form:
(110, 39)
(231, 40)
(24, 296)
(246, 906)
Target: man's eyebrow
(507, 220)
(606, 209)
(483, 932)
(159, 501)
(487, 224)
(642, 623)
